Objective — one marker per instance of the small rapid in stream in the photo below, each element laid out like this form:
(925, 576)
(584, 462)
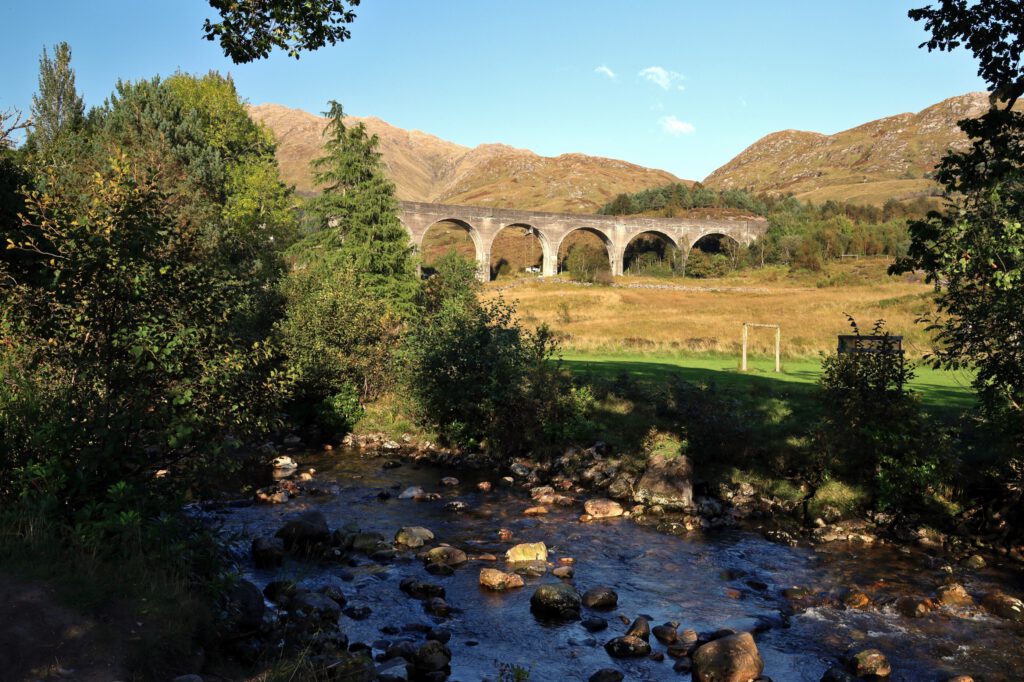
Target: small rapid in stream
(705, 581)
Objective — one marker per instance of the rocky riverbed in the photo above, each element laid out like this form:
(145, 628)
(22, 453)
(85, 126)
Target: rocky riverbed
(430, 573)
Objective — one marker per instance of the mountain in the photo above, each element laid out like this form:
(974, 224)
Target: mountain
(427, 168)
(891, 158)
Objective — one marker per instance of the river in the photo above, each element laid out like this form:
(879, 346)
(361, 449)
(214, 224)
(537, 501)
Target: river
(705, 581)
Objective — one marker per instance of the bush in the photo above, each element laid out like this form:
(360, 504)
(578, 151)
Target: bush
(873, 431)
(484, 381)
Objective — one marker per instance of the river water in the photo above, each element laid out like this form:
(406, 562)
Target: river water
(700, 580)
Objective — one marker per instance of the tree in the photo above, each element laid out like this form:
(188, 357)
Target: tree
(356, 216)
(249, 30)
(57, 109)
(975, 249)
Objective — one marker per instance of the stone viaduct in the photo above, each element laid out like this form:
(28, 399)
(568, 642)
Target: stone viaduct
(484, 224)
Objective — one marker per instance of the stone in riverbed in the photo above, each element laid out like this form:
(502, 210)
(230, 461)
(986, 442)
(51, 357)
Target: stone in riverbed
(974, 562)
(667, 482)
(446, 556)
(1004, 606)
(304, 530)
(627, 646)
(730, 659)
(432, 657)
(484, 486)
(837, 674)
(914, 607)
(870, 662)
(420, 589)
(499, 581)
(666, 634)
(313, 606)
(641, 628)
(600, 598)
(857, 600)
(268, 552)
(954, 594)
(449, 481)
(606, 675)
(411, 493)
(528, 551)
(535, 511)
(413, 536)
(560, 601)
(565, 572)
(602, 508)
(595, 624)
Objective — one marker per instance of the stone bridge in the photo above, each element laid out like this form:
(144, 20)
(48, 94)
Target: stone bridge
(484, 224)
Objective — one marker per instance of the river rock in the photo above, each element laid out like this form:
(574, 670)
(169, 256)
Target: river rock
(666, 634)
(730, 659)
(314, 606)
(914, 607)
(560, 601)
(975, 562)
(564, 572)
(304, 530)
(528, 551)
(627, 646)
(271, 494)
(283, 463)
(595, 624)
(600, 598)
(437, 606)
(367, 543)
(433, 656)
(641, 628)
(245, 606)
(449, 481)
(533, 569)
(1003, 605)
(484, 486)
(837, 674)
(954, 594)
(499, 581)
(621, 487)
(413, 492)
(870, 662)
(420, 589)
(268, 552)
(413, 536)
(668, 482)
(446, 555)
(536, 511)
(602, 508)
(606, 675)
(857, 600)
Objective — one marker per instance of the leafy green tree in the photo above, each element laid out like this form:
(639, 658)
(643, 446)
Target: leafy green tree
(974, 250)
(249, 31)
(57, 109)
(356, 216)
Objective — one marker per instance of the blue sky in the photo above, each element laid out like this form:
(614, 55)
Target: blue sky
(673, 84)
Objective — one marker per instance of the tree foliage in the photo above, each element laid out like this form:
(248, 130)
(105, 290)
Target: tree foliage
(355, 218)
(57, 109)
(974, 249)
(248, 31)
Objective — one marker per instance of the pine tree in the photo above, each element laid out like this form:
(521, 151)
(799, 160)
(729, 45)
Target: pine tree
(57, 109)
(357, 217)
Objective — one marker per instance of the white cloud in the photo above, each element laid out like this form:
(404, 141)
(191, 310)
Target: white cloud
(673, 126)
(662, 77)
(605, 71)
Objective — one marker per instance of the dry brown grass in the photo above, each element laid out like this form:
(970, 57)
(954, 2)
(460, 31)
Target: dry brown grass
(707, 316)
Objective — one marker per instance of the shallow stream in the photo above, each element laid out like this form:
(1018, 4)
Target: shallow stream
(706, 581)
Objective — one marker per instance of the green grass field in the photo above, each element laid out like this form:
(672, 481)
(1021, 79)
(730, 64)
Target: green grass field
(941, 392)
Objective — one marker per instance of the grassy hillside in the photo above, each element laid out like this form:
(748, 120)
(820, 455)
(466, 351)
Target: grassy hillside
(891, 158)
(427, 168)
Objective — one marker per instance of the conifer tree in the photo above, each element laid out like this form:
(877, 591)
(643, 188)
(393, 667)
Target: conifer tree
(356, 214)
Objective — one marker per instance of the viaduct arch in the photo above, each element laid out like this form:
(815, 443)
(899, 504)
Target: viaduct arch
(484, 223)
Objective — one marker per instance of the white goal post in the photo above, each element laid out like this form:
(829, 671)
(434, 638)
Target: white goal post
(778, 344)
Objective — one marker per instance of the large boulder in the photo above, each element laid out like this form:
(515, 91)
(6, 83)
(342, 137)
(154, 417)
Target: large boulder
(730, 659)
(561, 602)
(304, 530)
(954, 594)
(245, 607)
(528, 551)
(667, 482)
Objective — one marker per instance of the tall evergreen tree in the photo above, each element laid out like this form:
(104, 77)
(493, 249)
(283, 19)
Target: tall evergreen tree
(57, 108)
(356, 214)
